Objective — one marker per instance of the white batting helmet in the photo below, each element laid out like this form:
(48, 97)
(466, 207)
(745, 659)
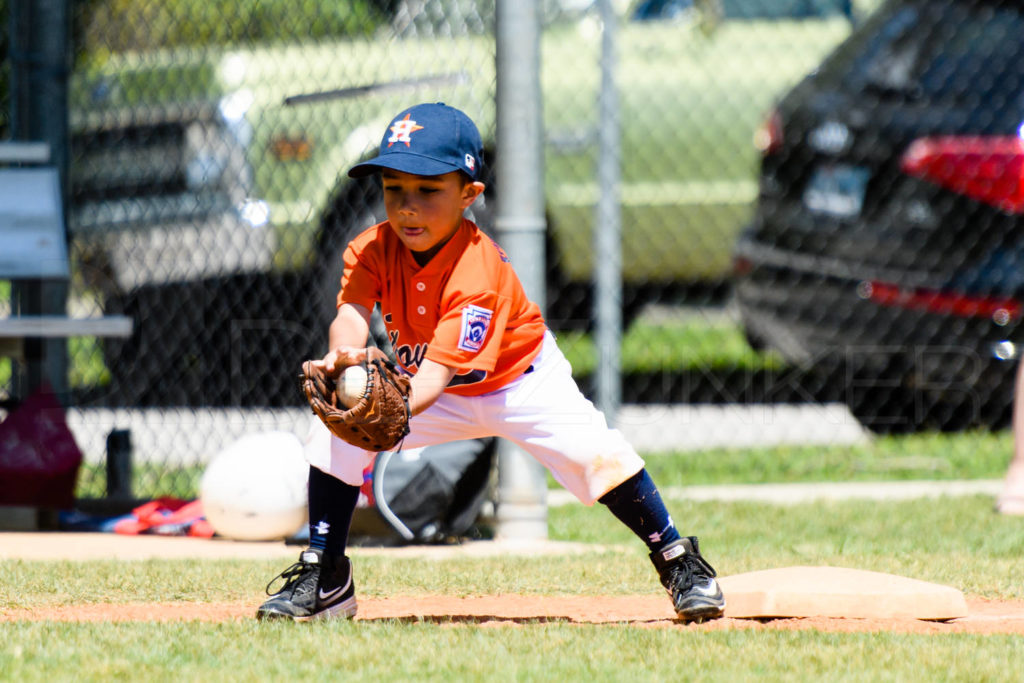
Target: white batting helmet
(256, 488)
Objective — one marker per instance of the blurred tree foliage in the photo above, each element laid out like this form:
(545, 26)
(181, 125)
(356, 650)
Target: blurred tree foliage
(109, 26)
(102, 27)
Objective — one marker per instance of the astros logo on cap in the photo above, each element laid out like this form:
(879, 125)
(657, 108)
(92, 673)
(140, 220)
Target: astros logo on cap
(402, 129)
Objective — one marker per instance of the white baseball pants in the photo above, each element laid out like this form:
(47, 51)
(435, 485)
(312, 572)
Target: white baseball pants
(543, 412)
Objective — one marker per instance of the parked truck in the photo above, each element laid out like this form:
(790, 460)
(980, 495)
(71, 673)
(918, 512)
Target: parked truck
(210, 200)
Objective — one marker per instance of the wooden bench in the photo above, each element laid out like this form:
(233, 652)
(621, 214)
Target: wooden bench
(15, 330)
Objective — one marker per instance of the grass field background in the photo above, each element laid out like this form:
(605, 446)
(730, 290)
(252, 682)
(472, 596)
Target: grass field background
(246, 651)
(954, 541)
(958, 542)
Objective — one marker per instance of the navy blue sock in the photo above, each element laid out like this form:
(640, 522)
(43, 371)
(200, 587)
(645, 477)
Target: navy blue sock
(331, 505)
(637, 504)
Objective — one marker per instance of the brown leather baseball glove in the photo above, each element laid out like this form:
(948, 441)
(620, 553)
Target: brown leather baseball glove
(379, 420)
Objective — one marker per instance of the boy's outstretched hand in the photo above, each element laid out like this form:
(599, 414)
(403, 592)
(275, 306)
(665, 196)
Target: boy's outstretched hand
(337, 359)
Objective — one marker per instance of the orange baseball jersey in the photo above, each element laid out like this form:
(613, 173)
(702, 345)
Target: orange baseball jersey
(465, 309)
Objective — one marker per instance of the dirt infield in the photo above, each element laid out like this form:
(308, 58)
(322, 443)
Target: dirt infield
(644, 611)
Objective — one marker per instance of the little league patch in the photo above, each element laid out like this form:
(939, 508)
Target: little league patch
(475, 321)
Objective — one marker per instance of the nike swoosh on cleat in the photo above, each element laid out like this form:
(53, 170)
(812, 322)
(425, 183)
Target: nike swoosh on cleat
(331, 593)
(710, 589)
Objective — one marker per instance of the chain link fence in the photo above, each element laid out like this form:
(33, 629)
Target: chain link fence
(209, 202)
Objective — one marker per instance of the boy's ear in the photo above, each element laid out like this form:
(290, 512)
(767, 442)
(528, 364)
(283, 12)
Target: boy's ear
(470, 191)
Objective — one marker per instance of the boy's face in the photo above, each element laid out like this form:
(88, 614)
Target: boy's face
(424, 211)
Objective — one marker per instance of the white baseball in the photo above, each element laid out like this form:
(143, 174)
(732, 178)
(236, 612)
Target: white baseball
(351, 385)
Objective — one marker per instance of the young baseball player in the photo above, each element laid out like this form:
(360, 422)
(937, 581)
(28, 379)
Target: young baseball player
(482, 362)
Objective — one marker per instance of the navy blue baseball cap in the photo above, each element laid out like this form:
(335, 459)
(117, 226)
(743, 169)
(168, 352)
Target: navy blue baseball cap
(427, 139)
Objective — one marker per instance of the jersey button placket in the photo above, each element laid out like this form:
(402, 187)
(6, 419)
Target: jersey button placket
(421, 287)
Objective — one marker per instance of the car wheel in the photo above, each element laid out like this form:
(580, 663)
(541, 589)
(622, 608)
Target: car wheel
(894, 400)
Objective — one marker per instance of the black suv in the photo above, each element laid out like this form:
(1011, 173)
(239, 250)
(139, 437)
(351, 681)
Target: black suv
(887, 249)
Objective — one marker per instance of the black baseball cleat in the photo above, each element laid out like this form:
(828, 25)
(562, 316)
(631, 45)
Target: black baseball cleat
(689, 580)
(313, 589)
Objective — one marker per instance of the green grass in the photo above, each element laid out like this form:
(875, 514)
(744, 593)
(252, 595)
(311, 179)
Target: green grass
(966, 455)
(402, 651)
(958, 542)
(149, 480)
(86, 369)
(5, 363)
(673, 345)
(927, 455)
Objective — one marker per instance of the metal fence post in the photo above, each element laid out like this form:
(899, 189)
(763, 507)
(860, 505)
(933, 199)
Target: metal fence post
(520, 224)
(40, 62)
(608, 240)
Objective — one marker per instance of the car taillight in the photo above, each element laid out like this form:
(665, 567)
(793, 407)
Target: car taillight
(741, 266)
(768, 136)
(989, 169)
(1001, 309)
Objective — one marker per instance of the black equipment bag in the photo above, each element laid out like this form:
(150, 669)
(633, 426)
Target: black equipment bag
(434, 494)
